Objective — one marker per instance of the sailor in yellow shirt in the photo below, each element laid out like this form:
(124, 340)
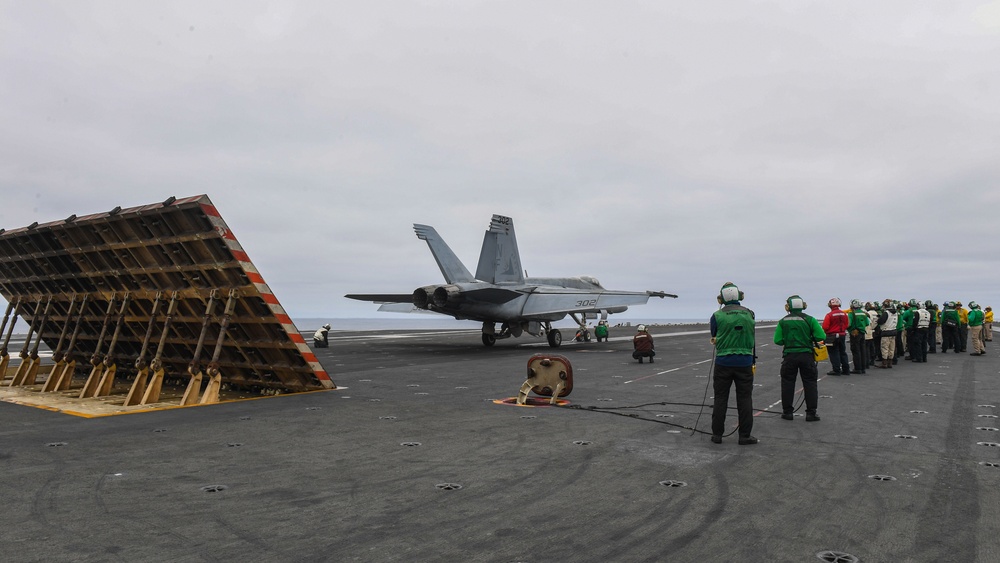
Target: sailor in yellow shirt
(988, 324)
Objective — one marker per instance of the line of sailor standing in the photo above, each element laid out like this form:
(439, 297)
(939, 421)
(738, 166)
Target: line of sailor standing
(879, 332)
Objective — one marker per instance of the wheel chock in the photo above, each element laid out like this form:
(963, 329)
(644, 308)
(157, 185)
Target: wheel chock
(549, 375)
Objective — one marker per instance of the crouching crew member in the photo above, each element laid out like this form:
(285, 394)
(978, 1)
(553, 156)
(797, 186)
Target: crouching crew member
(732, 329)
(799, 334)
(322, 337)
(601, 331)
(642, 344)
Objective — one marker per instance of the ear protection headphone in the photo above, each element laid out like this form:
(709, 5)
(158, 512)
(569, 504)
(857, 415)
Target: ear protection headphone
(795, 302)
(728, 293)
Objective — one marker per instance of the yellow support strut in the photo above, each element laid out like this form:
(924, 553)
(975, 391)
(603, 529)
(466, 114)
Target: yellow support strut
(194, 386)
(108, 377)
(90, 387)
(4, 356)
(22, 369)
(139, 385)
(211, 394)
(152, 394)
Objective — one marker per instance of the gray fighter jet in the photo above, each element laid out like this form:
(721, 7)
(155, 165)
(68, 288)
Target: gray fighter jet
(500, 293)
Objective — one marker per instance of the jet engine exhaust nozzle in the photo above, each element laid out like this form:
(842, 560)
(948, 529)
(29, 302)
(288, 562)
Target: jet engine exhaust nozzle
(446, 294)
(422, 297)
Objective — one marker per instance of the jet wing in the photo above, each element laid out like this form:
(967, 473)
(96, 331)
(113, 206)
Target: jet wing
(544, 301)
(382, 297)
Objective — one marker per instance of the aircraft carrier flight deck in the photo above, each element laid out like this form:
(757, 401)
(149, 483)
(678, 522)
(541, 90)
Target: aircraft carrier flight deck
(420, 455)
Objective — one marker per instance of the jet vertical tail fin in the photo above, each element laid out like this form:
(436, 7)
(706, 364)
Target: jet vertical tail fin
(499, 261)
(451, 267)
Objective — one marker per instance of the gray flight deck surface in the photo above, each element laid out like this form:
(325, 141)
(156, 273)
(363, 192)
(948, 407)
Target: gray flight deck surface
(359, 473)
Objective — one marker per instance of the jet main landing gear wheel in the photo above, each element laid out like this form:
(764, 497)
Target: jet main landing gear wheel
(555, 338)
(489, 340)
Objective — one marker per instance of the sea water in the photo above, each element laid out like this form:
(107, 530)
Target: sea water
(422, 322)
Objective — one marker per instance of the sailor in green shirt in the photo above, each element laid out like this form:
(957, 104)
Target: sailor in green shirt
(949, 324)
(857, 319)
(601, 331)
(799, 334)
(732, 329)
(976, 329)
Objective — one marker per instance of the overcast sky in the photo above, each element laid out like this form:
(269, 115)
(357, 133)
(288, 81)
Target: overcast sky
(845, 148)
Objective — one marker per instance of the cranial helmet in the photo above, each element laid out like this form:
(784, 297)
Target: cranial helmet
(855, 304)
(835, 302)
(973, 305)
(928, 304)
(914, 303)
(327, 326)
(729, 294)
(795, 303)
(641, 328)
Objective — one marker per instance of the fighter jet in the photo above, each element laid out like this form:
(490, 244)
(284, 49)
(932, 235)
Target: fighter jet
(500, 293)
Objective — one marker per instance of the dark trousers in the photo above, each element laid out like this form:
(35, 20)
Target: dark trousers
(647, 354)
(802, 364)
(918, 345)
(859, 352)
(725, 377)
(932, 338)
(949, 338)
(838, 354)
(963, 337)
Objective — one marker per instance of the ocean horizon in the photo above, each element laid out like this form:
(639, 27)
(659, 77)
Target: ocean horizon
(310, 324)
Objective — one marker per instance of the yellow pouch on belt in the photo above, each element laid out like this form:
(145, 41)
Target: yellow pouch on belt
(821, 354)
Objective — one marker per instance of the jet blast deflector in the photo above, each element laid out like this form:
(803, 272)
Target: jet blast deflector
(164, 289)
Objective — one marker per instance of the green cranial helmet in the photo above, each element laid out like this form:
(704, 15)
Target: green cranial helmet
(730, 294)
(795, 304)
(928, 304)
(855, 304)
(914, 303)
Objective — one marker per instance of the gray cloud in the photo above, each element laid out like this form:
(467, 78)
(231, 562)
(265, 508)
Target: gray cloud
(817, 148)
